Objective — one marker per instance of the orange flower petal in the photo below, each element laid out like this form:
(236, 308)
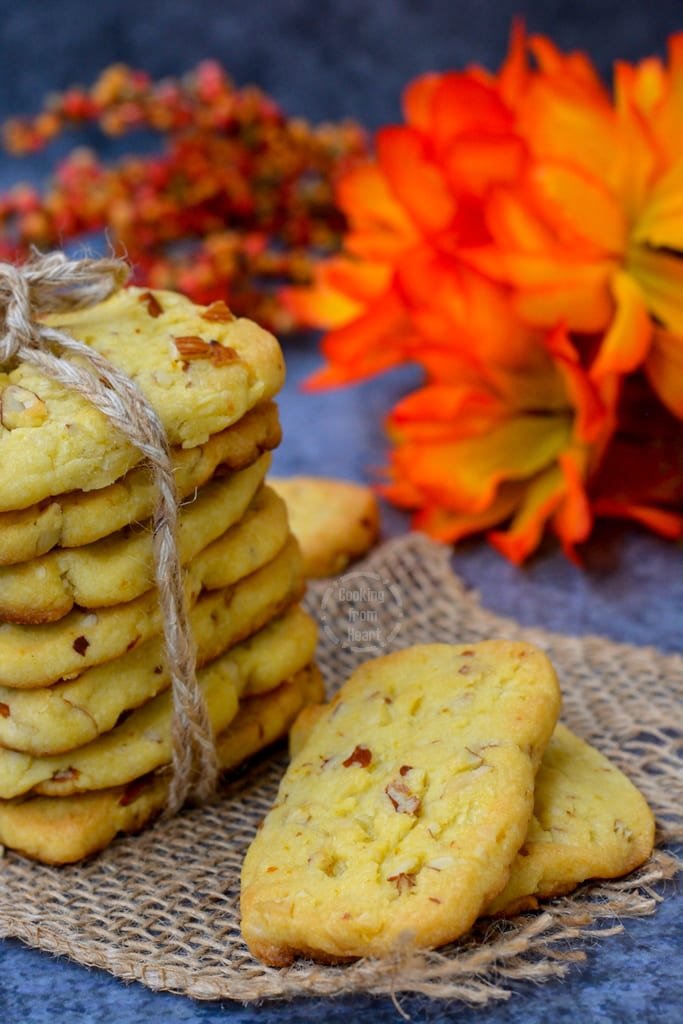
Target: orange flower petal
(641, 85)
(594, 418)
(361, 280)
(667, 524)
(402, 492)
(476, 162)
(415, 180)
(667, 119)
(573, 520)
(418, 101)
(461, 311)
(514, 225)
(664, 369)
(579, 204)
(341, 289)
(466, 474)
(449, 526)
(627, 340)
(660, 223)
(373, 342)
(464, 103)
(380, 226)
(571, 71)
(319, 306)
(514, 73)
(660, 276)
(444, 413)
(636, 162)
(569, 121)
(541, 498)
(578, 296)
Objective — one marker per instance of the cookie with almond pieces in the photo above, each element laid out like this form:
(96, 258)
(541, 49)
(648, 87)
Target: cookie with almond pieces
(35, 656)
(200, 368)
(58, 718)
(81, 517)
(141, 741)
(65, 829)
(589, 821)
(120, 567)
(398, 821)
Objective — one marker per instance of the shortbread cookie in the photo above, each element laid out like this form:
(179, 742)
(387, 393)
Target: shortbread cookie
(61, 830)
(201, 370)
(32, 656)
(254, 540)
(58, 718)
(589, 821)
(82, 517)
(275, 652)
(335, 521)
(399, 820)
(141, 742)
(265, 717)
(120, 567)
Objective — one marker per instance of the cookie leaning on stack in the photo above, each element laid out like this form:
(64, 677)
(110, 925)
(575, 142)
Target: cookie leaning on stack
(85, 705)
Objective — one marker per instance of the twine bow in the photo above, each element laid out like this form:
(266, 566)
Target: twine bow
(53, 284)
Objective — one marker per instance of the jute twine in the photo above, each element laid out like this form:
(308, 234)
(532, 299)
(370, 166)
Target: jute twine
(55, 284)
(162, 907)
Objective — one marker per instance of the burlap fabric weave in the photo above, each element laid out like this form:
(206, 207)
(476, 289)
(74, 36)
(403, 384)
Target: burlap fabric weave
(162, 907)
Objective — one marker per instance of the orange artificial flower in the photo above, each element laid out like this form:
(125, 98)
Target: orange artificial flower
(510, 427)
(518, 238)
(421, 195)
(590, 232)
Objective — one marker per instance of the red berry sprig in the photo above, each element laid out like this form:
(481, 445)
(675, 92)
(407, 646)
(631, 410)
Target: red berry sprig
(239, 200)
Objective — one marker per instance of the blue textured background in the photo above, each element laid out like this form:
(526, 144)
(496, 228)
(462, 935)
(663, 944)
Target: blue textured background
(327, 60)
(320, 58)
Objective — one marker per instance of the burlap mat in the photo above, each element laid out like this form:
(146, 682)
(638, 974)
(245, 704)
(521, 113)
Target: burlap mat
(162, 907)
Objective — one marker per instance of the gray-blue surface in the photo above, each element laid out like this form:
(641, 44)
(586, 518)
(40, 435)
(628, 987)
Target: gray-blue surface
(327, 60)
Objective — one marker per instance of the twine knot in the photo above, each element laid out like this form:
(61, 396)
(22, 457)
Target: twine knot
(50, 284)
(53, 283)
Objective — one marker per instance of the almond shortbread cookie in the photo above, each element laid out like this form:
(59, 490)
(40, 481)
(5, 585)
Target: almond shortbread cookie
(81, 517)
(589, 821)
(141, 742)
(120, 567)
(58, 718)
(335, 521)
(32, 656)
(200, 368)
(400, 818)
(264, 718)
(64, 829)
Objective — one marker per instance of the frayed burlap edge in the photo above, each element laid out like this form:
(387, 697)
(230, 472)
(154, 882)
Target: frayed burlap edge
(162, 908)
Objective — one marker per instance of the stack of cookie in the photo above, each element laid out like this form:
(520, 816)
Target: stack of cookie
(85, 704)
